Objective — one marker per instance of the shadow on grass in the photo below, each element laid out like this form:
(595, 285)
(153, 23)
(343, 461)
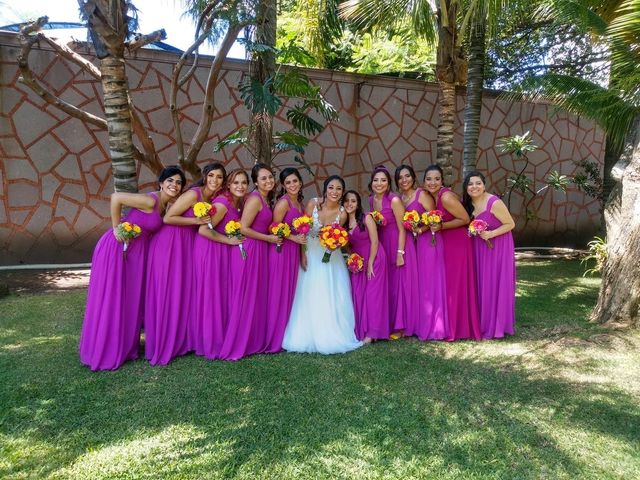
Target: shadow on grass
(399, 409)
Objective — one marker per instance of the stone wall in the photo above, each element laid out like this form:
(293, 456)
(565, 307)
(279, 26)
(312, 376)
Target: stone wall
(55, 176)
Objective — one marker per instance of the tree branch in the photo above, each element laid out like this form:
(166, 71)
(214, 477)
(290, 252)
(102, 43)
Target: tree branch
(142, 40)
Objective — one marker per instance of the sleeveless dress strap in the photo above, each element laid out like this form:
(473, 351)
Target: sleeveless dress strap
(492, 200)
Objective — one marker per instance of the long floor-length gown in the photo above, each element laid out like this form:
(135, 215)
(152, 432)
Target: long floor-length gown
(460, 275)
(247, 328)
(283, 269)
(322, 318)
(370, 297)
(403, 291)
(496, 278)
(433, 323)
(211, 264)
(169, 301)
(113, 317)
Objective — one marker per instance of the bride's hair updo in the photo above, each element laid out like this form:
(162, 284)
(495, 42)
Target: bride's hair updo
(325, 186)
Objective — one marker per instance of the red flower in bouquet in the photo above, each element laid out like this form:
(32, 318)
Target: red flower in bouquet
(355, 263)
(476, 227)
(281, 230)
(432, 217)
(378, 218)
(331, 238)
(411, 222)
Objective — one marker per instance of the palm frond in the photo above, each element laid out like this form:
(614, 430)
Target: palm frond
(303, 122)
(580, 13)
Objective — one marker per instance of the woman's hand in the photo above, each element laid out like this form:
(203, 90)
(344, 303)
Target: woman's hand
(303, 262)
(118, 237)
(235, 241)
(203, 220)
(400, 259)
(370, 273)
(435, 227)
(299, 239)
(275, 239)
(487, 235)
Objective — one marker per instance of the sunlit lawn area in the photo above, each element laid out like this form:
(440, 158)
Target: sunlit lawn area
(559, 400)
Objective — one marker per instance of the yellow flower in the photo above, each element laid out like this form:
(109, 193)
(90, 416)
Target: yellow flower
(127, 227)
(201, 209)
(137, 229)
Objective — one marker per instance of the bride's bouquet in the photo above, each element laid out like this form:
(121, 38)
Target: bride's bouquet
(332, 237)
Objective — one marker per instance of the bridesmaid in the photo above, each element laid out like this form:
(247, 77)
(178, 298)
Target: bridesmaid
(401, 254)
(495, 264)
(169, 302)
(462, 305)
(247, 329)
(212, 251)
(284, 265)
(432, 324)
(113, 318)
(369, 288)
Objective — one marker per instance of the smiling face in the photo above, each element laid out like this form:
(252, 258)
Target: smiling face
(350, 203)
(292, 185)
(265, 181)
(475, 187)
(214, 180)
(238, 185)
(172, 186)
(405, 180)
(433, 181)
(380, 183)
(334, 191)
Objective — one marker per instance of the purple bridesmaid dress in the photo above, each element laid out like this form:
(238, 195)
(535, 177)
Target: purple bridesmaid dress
(496, 279)
(211, 273)
(370, 297)
(113, 318)
(247, 328)
(403, 291)
(169, 302)
(462, 303)
(283, 272)
(433, 324)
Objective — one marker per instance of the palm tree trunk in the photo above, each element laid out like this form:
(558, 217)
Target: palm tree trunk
(115, 87)
(446, 128)
(473, 104)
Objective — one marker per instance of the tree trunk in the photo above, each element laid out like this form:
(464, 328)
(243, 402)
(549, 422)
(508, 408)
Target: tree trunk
(262, 67)
(473, 103)
(117, 111)
(447, 57)
(619, 299)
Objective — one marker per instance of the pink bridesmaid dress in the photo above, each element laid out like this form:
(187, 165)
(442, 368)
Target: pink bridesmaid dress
(370, 297)
(462, 303)
(211, 264)
(247, 328)
(433, 323)
(113, 317)
(496, 278)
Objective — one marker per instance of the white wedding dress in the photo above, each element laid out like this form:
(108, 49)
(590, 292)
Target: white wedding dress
(322, 318)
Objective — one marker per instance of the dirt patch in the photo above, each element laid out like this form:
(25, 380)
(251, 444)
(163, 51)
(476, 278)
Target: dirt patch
(27, 281)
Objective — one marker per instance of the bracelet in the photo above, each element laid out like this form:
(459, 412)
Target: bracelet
(401, 251)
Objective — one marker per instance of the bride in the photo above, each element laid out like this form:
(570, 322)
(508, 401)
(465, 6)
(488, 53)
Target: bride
(322, 318)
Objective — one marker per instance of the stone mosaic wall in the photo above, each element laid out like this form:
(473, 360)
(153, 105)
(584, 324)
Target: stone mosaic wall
(55, 176)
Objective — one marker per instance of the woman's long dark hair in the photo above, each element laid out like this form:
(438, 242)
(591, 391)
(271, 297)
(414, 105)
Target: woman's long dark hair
(383, 169)
(254, 177)
(359, 213)
(467, 203)
(283, 175)
(170, 171)
(411, 171)
(325, 185)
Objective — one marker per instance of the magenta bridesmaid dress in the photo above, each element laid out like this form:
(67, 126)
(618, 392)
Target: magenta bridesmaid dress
(169, 302)
(370, 297)
(283, 276)
(460, 276)
(403, 291)
(496, 279)
(433, 323)
(113, 317)
(247, 328)
(211, 262)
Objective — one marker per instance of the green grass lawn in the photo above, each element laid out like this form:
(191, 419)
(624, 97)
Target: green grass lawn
(559, 400)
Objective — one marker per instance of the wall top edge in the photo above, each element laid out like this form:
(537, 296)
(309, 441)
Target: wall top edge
(11, 40)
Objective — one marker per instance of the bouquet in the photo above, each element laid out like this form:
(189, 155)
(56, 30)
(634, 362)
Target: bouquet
(332, 237)
(476, 227)
(378, 218)
(432, 217)
(355, 263)
(302, 226)
(232, 229)
(281, 230)
(411, 222)
(204, 209)
(127, 231)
